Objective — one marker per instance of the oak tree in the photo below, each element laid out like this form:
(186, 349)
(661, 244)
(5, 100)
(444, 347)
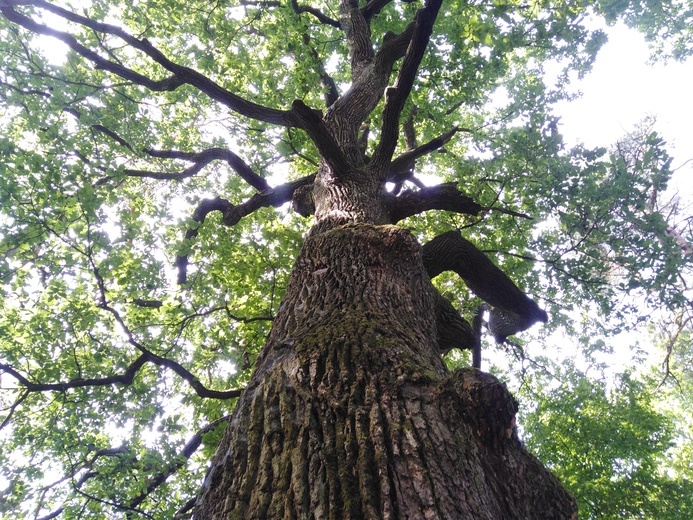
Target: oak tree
(221, 227)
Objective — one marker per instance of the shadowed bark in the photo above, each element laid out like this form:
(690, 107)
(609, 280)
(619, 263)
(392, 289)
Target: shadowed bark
(511, 310)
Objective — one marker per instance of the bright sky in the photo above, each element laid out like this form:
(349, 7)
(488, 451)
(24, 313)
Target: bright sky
(623, 89)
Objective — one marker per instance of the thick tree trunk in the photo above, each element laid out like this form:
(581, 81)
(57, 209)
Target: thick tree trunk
(351, 412)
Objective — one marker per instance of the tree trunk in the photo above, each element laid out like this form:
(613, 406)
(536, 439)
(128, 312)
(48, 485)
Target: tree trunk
(351, 412)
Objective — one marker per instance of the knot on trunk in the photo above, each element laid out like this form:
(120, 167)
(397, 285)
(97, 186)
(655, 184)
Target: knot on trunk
(485, 404)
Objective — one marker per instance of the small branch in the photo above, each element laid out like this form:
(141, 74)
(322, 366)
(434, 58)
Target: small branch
(508, 212)
(442, 197)
(477, 322)
(14, 406)
(403, 164)
(112, 135)
(190, 447)
(114, 505)
(317, 13)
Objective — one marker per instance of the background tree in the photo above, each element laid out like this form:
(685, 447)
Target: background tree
(149, 151)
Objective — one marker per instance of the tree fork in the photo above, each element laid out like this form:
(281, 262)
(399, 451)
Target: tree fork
(351, 412)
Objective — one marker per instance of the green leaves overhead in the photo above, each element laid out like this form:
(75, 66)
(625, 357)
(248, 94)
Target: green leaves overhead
(608, 446)
(112, 374)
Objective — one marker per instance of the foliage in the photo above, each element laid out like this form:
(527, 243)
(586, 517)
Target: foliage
(116, 379)
(609, 445)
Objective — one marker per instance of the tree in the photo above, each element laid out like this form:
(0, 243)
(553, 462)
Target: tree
(147, 245)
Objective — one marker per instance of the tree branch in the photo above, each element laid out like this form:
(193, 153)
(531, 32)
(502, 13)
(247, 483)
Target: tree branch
(200, 160)
(402, 165)
(233, 214)
(125, 379)
(353, 107)
(373, 7)
(331, 93)
(442, 197)
(512, 311)
(358, 35)
(312, 122)
(14, 406)
(396, 96)
(190, 447)
(317, 13)
(181, 75)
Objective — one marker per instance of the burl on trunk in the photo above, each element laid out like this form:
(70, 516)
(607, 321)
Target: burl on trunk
(352, 414)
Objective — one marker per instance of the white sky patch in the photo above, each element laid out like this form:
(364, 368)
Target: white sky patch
(622, 90)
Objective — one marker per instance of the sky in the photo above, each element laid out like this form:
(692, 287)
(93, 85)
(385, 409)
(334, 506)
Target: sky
(622, 90)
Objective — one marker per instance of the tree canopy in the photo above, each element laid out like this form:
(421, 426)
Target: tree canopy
(149, 155)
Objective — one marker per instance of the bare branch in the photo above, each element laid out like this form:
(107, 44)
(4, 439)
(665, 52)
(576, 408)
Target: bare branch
(442, 197)
(512, 311)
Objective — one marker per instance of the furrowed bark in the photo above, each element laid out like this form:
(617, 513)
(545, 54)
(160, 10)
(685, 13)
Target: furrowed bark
(351, 413)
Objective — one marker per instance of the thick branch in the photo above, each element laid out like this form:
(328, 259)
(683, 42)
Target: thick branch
(181, 75)
(396, 96)
(373, 7)
(314, 125)
(358, 35)
(453, 330)
(442, 197)
(512, 311)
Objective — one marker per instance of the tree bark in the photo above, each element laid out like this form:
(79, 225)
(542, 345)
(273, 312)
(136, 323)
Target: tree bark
(352, 414)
